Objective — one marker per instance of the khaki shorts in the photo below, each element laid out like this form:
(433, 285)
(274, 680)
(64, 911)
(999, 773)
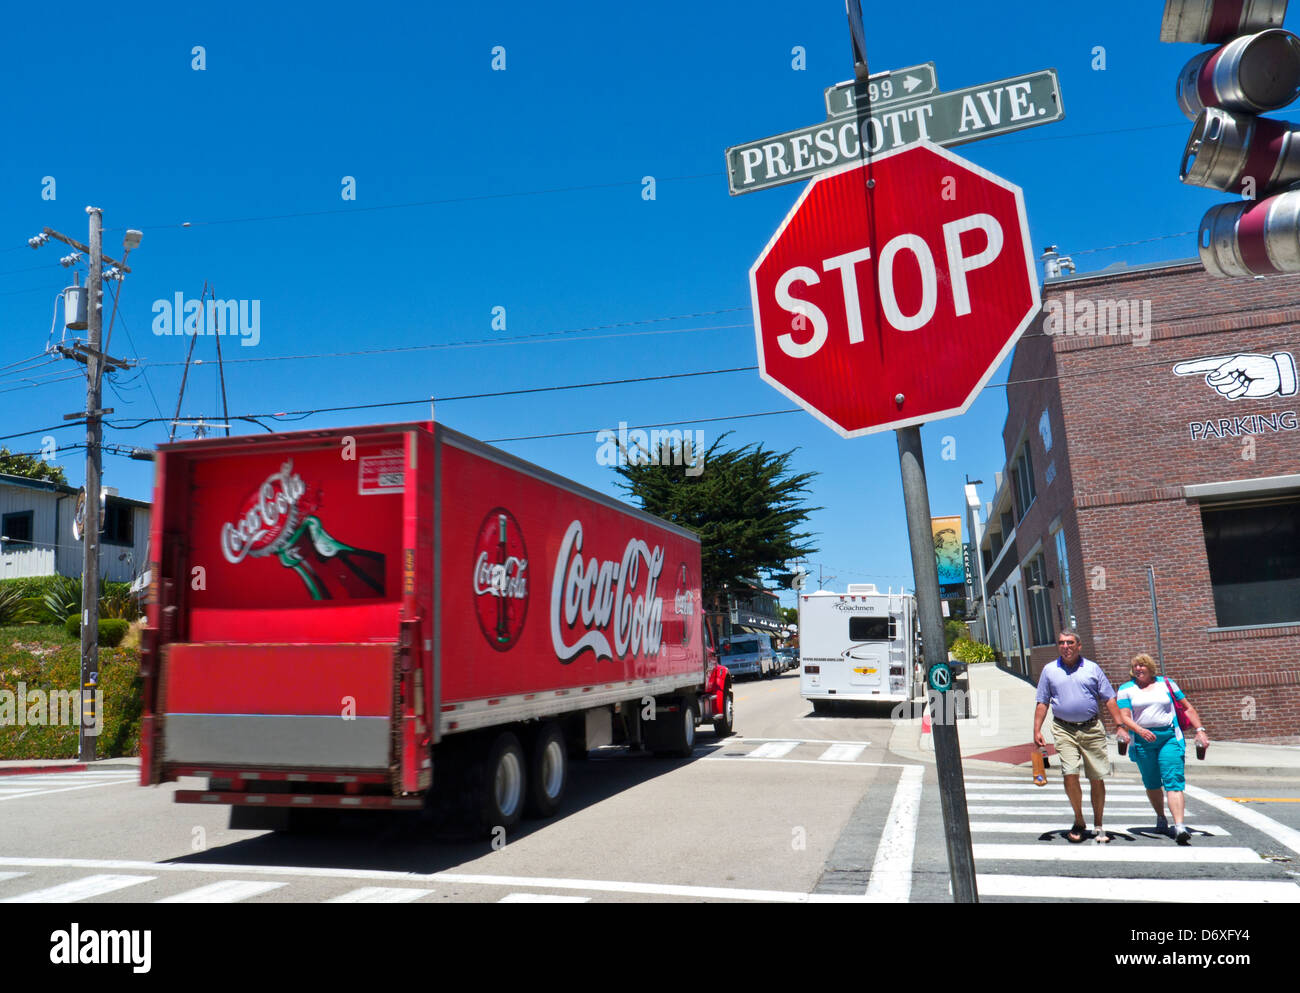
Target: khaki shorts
(1084, 747)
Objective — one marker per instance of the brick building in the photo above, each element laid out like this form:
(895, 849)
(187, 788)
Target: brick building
(1153, 422)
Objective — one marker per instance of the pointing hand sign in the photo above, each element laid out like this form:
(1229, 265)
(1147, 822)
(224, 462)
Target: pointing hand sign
(1245, 375)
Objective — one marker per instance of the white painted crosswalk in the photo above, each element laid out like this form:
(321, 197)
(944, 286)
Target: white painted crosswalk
(381, 894)
(1018, 830)
(80, 889)
(797, 750)
(39, 784)
(226, 891)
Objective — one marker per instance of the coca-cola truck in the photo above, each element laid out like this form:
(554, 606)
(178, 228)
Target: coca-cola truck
(400, 617)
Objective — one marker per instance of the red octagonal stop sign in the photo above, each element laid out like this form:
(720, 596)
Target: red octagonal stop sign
(907, 276)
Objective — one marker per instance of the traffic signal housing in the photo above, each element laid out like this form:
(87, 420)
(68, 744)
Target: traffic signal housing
(1254, 69)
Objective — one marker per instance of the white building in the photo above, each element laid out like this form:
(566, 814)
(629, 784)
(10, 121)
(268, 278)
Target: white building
(36, 536)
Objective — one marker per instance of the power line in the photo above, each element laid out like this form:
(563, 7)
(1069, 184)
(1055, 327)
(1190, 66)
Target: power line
(534, 337)
(644, 427)
(427, 203)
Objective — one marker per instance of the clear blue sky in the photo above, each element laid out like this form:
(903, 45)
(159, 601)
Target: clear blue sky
(594, 96)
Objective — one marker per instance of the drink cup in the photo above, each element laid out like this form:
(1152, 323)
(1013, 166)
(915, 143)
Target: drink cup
(1123, 746)
(1200, 751)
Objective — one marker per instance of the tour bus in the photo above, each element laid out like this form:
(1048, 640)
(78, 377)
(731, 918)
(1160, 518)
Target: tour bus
(858, 645)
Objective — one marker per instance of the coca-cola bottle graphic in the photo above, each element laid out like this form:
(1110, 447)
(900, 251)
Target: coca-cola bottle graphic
(281, 519)
(500, 579)
(317, 556)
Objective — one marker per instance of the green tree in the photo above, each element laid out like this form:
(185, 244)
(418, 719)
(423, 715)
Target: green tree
(31, 467)
(746, 504)
(790, 615)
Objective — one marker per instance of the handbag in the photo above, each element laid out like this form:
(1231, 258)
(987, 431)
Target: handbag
(1180, 708)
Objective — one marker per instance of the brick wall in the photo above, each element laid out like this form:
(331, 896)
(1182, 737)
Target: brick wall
(1123, 451)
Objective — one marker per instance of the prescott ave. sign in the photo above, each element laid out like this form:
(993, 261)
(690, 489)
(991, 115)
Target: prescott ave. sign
(885, 305)
(951, 118)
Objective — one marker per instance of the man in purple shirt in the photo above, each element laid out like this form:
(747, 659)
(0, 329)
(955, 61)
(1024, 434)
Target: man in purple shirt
(1076, 689)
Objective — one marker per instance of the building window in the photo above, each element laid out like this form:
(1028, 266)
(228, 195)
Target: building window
(1022, 479)
(1008, 522)
(117, 525)
(16, 529)
(1254, 556)
(1040, 605)
(1063, 566)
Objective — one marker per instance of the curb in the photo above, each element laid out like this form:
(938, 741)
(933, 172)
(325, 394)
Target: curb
(37, 768)
(28, 770)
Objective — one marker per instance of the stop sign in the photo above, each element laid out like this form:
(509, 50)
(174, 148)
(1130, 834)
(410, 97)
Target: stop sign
(893, 289)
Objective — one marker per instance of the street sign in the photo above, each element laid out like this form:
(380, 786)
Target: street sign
(952, 118)
(882, 89)
(880, 307)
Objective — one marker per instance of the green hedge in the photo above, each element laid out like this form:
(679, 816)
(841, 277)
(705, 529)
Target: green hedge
(971, 652)
(60, 669)
(111, 630)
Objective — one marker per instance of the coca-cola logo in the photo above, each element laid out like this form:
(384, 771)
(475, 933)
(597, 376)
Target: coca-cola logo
(500, 579)
(267, 518)
(596, 599)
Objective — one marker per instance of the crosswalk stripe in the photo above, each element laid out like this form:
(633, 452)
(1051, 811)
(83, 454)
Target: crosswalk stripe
(1116, 851)
(1111, 812)
(63, 789)
(774, 749)
(1042, 796)
(1042, 827)
(542, 898)
(10, 875)
(226, 891)
(1030, 787)
(842, 753)
(381, 894)
(1202, 891)
(891, 872)
(79, 889)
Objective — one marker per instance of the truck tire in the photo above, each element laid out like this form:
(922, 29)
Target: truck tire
(498, 784)
(725, 723)
(675, 738)
(548, 771)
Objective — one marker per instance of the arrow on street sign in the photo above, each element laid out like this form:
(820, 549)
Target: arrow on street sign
(882, 89)
(951, 118)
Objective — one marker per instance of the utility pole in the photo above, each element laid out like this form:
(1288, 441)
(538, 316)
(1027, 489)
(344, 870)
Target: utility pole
(96, 361)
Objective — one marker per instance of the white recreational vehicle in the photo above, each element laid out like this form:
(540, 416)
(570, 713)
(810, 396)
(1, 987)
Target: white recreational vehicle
(858, 645)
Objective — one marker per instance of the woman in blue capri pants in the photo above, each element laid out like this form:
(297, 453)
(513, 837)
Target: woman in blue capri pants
(1146, 707)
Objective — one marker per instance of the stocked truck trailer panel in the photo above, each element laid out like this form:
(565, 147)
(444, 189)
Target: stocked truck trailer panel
(346, 617)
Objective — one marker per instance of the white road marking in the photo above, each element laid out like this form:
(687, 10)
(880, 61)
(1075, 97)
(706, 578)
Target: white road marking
(79, 889)
(381, 894)
(542, 898)
(1280, 833)
(1110, 812)
(743, 759)
(808, 741)
(1042, 827)
(1030, 787)
(842, 753)
(10, 875)
(66, 789)
(1202, 891)
(1117, 851)
(226, 891)
(774, 750)
(466, 879)
(1046, 796)
(891, 873)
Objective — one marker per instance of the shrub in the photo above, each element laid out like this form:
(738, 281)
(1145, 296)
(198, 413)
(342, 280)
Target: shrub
(971, 652)
(111, 630)
(60, 669)
(63, 597)
(11, 605)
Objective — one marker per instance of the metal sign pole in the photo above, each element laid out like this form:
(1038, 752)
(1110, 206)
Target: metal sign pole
(1155, 616)
(942, 705)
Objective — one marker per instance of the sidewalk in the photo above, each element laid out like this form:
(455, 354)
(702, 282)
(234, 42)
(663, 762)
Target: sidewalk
(28, 767)
(999, 736)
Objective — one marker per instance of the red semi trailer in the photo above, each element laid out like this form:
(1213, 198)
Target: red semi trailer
(399, 616)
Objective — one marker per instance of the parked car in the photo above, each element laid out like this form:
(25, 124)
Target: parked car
(749, 655)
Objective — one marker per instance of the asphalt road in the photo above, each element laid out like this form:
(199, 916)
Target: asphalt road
(794, 807)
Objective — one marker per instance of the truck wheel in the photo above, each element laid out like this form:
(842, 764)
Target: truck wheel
(500, 784)
(548, 771)
(683, 735)
(724, 723)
